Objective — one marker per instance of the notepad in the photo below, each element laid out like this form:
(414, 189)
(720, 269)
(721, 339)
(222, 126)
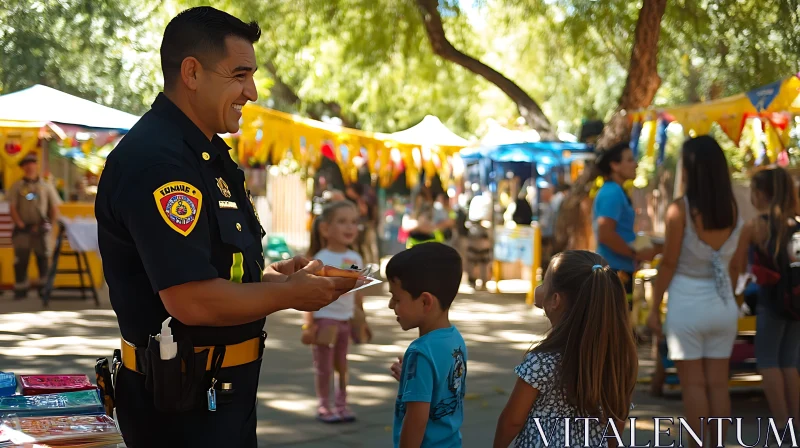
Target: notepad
(8, 384)
(65, 403)
(50, 384)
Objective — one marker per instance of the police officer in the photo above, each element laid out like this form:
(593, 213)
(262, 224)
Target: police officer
(33, 206)
(179, 236)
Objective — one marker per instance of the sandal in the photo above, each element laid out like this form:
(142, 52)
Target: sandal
(347, 415)
(326, 416)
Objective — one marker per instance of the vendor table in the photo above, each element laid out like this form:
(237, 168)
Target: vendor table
(69, 211)
(81, 235)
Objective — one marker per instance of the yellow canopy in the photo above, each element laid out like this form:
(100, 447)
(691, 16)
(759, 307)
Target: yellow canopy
(267, 135)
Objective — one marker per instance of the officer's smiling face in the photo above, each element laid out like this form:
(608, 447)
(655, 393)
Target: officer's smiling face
(228, 87)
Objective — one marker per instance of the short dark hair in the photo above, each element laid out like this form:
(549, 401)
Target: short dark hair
(434, 268)
(612, 154)
(200, 32)
(709, 189)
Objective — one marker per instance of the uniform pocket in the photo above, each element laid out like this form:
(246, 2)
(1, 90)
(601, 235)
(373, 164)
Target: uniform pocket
(234, 230)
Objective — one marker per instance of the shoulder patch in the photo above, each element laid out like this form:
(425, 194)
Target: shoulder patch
(179, 204)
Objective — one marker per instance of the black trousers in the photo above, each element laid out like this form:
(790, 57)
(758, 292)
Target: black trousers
(24, 242)
(233, 424)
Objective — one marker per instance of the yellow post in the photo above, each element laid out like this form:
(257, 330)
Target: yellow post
(497, 273)
(537, 261)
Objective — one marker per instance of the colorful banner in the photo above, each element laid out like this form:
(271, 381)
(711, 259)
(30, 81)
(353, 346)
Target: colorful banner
(268, 136)
(731, 113)
(661, 140)
(636, 133)
(16, 143)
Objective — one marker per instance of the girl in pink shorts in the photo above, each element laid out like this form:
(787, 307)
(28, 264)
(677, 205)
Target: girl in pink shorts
(328, 329)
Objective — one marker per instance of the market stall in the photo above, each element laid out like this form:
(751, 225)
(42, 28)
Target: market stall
(504, 170)
(291, 144)
(71, 137)
(268, 137)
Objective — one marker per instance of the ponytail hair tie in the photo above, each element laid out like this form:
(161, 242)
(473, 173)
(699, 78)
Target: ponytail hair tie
(596, 267)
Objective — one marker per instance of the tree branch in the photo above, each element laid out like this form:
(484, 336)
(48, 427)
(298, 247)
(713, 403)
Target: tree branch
(287, 96)
(280, 89)
(528, 108)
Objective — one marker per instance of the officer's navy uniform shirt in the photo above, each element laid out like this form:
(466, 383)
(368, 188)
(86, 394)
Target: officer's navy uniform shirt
(172, 207)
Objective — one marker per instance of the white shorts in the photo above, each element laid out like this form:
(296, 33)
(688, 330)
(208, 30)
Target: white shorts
(699, 324)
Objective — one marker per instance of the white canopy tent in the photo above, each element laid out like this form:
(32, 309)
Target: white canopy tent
(497, 135)
(429, 132)
(44, 104)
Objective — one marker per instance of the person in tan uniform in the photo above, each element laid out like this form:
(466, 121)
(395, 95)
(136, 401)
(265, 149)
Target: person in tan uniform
(34, 207)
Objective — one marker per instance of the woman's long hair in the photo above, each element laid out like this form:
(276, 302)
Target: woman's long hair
(778, 188)
(708, 183)
(328, 212)
(599, 363)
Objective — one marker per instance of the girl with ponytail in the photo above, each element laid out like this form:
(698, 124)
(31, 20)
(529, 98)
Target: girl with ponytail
(586, 367)
(777, 342)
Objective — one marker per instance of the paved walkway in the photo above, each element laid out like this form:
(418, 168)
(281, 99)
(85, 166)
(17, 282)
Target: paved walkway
(497, 328)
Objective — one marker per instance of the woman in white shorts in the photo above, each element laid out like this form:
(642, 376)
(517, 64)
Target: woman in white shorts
(701, 240)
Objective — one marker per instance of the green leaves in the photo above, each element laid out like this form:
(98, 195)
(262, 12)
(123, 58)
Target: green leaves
(370, 60)
(91, 48)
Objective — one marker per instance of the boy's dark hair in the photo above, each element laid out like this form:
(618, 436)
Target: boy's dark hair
(434, 268)
(200, 32)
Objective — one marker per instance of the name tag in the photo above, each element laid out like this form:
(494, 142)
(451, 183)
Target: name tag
(228, 204)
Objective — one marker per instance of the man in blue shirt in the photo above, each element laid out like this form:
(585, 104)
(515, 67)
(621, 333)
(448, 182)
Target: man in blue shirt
(429, 409)
(612, 204)
(614, 215)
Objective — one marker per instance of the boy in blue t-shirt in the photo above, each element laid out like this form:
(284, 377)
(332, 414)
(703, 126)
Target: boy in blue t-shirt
(429, 409)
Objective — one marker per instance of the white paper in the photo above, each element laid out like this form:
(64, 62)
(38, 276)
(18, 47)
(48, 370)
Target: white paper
(366, 284)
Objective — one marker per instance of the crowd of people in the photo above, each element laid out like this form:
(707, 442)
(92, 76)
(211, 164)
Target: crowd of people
(432, 374)
(708, 246)
(203, 271)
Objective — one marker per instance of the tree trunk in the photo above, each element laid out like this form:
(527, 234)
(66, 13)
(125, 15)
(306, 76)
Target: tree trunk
(573, 227)
(643, 80)
(528, 108)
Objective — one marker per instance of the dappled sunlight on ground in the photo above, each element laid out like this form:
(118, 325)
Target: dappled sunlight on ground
(60, 340)
(509, 286)
(377, 378)
(498, 330)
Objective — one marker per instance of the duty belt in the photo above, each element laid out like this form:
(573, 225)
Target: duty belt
(235, 355)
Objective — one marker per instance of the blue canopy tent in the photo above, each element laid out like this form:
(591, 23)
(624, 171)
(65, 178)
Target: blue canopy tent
(542, 160)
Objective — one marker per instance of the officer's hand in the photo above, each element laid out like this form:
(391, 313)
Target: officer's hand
(281, 270)
(314, 292)
(290, 266)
